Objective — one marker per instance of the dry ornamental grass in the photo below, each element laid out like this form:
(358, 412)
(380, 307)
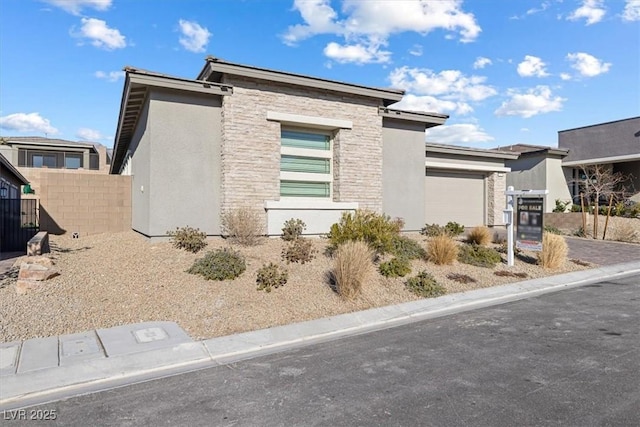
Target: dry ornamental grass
(480, 236)
(554, 252)
(352, 267)
(442, 250)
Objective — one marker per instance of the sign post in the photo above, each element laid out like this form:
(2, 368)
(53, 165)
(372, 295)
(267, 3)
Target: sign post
(529, 220)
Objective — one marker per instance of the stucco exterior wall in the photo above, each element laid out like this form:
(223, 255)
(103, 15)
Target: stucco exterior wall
(141, 173)
(458, 159)
(540, 172)
(617, 138)
(184, 186)
(556, 184)
(250, 169)
(403, 172)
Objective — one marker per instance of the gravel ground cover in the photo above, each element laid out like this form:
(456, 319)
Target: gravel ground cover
(113, 279)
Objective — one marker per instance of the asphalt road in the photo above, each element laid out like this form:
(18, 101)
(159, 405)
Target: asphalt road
(570, 358)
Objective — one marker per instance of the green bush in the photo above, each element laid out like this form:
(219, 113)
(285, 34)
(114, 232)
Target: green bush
(479, 256)
(299, 250)
(377, 231)
(552, 229)
(580, 232)
(424, 285)
(293, 229)
(221, 264)
(188, 238)
(576, 208)
(432, 230)
(454, 229)
(271, 276)
(561, 206)
(396, 267)
(406, 247)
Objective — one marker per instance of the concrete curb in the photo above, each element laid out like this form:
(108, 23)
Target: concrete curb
(87, 376)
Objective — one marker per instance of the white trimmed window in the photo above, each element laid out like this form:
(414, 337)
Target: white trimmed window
(306, 159)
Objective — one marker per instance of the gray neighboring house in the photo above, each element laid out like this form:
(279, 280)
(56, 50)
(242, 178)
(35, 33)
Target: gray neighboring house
(10, 180)
(538, 167)
(614, 143)
(284, 144)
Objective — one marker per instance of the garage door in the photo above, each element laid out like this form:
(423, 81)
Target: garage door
(453, 196)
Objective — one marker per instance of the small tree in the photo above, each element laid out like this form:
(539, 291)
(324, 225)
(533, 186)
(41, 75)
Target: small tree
(598, 181)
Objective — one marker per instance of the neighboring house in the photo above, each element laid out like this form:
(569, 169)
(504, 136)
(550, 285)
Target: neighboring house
(11, 180)
(38, 152)
(13, 236)
(538, 168)
(614, 143)
(287, 145)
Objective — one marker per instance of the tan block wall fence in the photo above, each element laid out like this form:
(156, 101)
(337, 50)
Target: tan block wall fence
(251, 143)
(87, 203)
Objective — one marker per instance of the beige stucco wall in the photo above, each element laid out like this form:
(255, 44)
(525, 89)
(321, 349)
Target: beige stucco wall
(250, 153)
(403, 172)
(84, 203)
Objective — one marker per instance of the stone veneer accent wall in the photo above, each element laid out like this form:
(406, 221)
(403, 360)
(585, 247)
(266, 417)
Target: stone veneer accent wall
(251, 144)
(496, 186)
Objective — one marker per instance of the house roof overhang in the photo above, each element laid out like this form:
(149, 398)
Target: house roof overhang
(136, 87)
(467, 151)
(428, 119)
(214, 68)
(13, 170)
(604, 160)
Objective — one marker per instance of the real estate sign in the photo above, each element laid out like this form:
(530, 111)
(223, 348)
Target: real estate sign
(529, 226)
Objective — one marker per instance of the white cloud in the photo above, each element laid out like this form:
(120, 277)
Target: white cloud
(369, 24)
(588, 65)
(524, 129)
(27, 122)
(194, 37)
(356, 53)
(453, 89)
(544, 6)
(631, 11)
(481, 62)
(534, 101)
(565, 76)
(111, 76)
(101, 35)
(591, 10)
(458, 134)
(432, 104)
(86, 134)
(75, 6)
(416, 50)
(532, 66)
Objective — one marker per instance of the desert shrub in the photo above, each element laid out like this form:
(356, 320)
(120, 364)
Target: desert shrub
(352, 266)
(424, 285)
(576, 208)
(551, 229)
(395, 267)
(299, 250)
(188, 238)
(378, 231)
(505, 273)
(242, 225)
(271, 276)
(580, 232)
(293, 229)
(406, 247)
(479, 256)
(461, 278)
(626, 232)
(504, 248)
(221, 264)
(454, 229)
(432, 230)
(442, 249)
(479, 236)
(562, 206)
(554, 252)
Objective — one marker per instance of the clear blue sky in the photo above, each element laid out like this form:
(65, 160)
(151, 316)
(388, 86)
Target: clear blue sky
(505, 71)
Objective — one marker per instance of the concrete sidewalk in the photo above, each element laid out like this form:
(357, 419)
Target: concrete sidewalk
(46, 369)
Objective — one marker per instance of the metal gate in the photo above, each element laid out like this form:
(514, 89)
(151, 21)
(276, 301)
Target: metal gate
(18, 223)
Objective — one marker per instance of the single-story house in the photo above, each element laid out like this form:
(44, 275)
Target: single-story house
(538, 168)
(614, 143)
(284, 144)
(10, 180)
